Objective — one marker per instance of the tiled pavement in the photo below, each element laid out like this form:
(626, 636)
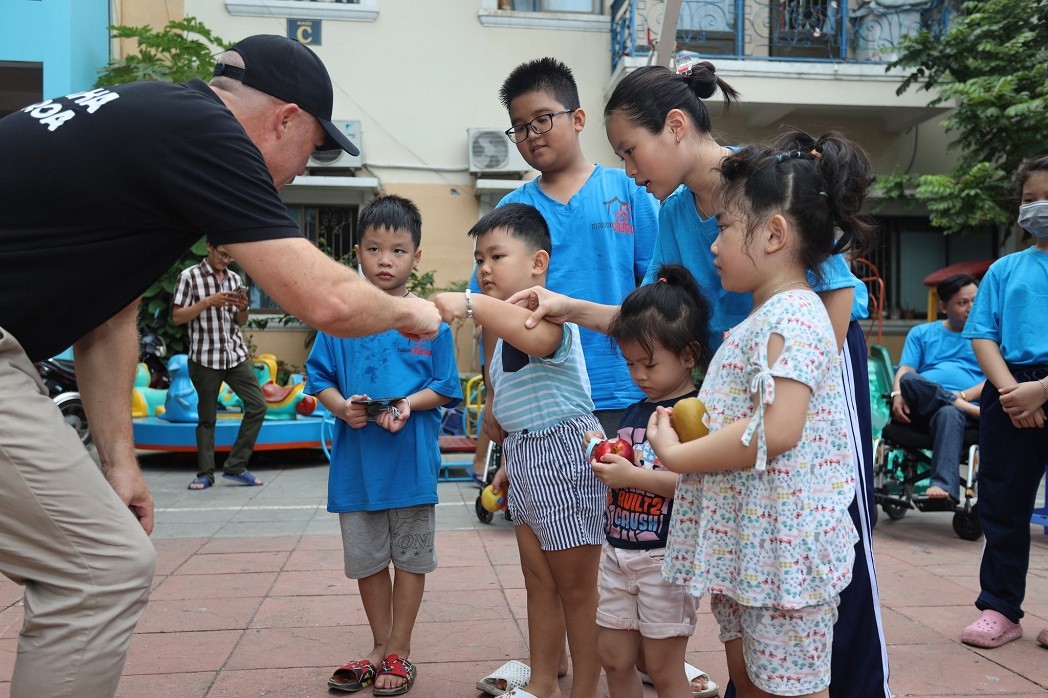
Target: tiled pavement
(250, 598)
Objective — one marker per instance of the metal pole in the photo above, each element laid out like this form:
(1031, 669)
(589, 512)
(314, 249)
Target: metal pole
(668, 35)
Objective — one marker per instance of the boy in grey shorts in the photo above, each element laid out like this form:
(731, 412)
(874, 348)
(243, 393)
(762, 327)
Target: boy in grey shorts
(384, 454)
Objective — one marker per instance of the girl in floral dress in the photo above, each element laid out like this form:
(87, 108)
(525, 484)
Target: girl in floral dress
(760, 518)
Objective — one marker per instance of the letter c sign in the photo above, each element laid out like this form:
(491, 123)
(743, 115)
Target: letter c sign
(304, 31)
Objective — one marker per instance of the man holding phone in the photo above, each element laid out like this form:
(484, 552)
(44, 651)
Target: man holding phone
(212, 299)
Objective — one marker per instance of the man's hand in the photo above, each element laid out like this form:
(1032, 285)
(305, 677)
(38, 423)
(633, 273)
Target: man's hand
(424, 322)
(129, 485)
(900, 409)
(544, 304)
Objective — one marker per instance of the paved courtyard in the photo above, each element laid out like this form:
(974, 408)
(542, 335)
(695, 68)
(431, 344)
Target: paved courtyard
(250, 598)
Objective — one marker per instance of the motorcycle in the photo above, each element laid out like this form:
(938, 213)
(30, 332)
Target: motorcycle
(59, 375)
(151, 352)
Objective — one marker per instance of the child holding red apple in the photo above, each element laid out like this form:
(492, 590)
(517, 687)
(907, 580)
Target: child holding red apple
(542, 400)
(661, 331)
(760, 520)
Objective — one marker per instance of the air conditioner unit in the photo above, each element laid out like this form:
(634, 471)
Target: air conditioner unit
(491, 152)
(340, 158)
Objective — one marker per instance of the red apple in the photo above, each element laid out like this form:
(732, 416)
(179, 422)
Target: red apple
(615, 446)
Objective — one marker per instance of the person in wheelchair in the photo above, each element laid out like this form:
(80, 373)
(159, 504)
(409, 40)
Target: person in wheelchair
(937, 387)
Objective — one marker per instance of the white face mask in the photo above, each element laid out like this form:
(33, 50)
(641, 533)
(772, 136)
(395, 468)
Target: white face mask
(1034, 218)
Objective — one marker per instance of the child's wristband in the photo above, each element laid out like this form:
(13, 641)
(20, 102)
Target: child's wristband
(469, 305)
(1044, 388)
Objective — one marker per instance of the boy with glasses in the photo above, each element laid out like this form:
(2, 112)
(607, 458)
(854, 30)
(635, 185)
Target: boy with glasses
(603, 228)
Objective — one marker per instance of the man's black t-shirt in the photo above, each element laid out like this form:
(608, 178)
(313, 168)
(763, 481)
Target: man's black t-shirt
(102, 191)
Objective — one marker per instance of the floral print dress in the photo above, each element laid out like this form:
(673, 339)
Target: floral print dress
(777, 534)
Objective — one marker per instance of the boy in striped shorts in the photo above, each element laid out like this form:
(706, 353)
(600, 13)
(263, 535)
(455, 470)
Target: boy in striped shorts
(542, 400)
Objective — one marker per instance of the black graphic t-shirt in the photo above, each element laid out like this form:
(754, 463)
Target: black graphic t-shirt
(102, 191)
(637, 519)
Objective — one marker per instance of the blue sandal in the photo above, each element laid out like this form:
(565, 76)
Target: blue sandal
(204, 481)
(244, 478)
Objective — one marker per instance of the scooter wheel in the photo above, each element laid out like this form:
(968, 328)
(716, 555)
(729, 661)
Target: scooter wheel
(73, 413)
(483, 514)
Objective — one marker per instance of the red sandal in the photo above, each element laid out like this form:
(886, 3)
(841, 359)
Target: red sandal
(394, 665)
(353, 676)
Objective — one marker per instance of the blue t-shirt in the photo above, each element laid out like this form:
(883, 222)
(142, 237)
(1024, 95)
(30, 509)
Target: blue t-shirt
(536, 393)
(638, 519)
(602, 242)
(941, 356)
(685, 238)
(1009, 308)
(371, 468)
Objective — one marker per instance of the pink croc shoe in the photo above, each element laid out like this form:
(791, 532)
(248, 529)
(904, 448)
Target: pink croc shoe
(991, 630)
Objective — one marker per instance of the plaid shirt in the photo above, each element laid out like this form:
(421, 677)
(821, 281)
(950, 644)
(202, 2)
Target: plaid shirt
(215, 340)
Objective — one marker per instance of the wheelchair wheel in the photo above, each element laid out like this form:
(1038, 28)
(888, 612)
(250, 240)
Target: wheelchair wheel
(483, 514)
(894, 511)
(966, 523)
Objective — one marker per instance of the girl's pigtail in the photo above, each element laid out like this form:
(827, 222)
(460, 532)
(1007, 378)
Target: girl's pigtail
(847, 174)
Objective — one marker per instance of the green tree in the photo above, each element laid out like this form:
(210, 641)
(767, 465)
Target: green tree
(181, 51)
(991, 66)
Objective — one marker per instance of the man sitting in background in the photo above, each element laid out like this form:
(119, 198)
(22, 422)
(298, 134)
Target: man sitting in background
(937, 386)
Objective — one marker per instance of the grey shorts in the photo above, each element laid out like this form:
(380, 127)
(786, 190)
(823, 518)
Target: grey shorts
(373, 539)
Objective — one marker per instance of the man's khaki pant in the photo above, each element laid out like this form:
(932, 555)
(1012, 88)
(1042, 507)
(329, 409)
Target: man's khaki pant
(84, 560)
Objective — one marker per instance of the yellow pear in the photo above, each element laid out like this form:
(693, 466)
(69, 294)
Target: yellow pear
(687, 419)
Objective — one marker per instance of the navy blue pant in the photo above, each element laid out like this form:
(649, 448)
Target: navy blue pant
(860, 658)
(932, 412)
(1011, 464)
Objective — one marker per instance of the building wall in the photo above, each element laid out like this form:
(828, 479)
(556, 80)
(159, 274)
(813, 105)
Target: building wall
(68, 37)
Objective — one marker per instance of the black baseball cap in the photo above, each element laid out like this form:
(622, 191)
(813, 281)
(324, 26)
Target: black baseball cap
(285, 69)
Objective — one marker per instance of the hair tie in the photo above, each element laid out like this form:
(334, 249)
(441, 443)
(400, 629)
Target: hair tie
(792, 155)
(684, 69)
(662, 279)
(822, 193)
(815, 153)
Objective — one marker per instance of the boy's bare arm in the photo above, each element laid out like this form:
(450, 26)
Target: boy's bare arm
(502, 319)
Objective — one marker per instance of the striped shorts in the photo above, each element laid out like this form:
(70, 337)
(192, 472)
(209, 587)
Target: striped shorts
(552, 487)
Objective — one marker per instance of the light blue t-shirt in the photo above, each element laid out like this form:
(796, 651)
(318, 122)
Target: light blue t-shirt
(1009, 308)
(371, 468)
(941, 356)
(536, 393)
(685, 238)
(602, 242)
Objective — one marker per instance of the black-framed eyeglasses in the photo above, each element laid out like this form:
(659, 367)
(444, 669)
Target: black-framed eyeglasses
(540, 124)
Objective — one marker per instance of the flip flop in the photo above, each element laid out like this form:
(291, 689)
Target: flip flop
(353, 677)
(692, 672)
(513, 672)
(394, 665)
(204, 481)
(991, 630)
(244, 478)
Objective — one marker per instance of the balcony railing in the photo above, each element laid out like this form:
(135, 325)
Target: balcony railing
(856, 31)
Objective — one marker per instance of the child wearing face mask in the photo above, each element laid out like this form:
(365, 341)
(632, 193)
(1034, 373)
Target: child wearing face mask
(1006, 326)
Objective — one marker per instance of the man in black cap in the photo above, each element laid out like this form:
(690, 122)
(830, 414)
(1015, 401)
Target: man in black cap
(100, 193)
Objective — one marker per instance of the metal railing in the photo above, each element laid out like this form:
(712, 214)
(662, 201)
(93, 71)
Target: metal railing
(856, 31)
